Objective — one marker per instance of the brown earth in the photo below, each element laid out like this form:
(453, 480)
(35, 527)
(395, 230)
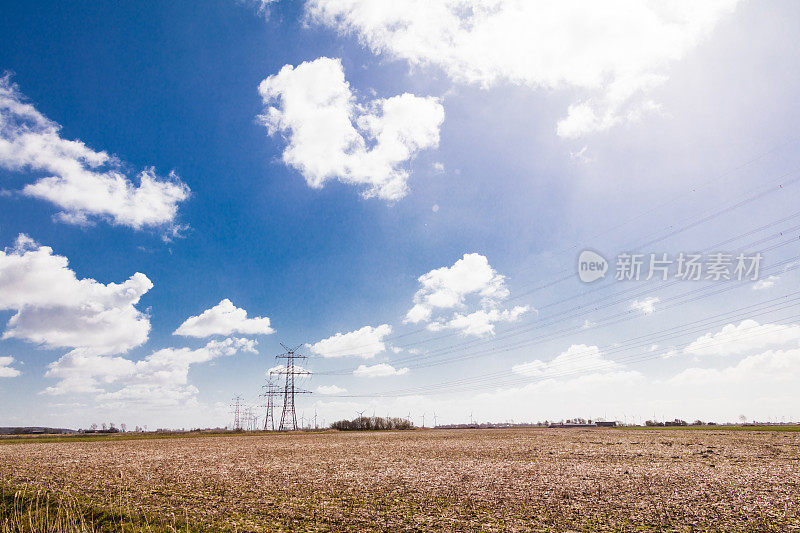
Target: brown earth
(463, 480)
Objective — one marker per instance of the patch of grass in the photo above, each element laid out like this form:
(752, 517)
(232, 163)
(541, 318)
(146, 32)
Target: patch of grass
(94, 437)
(24, 510)
(787, 428)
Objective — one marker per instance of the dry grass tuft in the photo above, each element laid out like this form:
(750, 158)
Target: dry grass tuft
(26, 510)
(41, 511)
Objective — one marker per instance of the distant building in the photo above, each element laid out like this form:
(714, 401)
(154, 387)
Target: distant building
(611, 424)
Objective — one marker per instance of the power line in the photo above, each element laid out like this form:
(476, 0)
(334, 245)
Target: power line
(580, 311)
(640, 342)
(751, 311)
(685, 297)
(623, 316)
(512, 381)
(671, 232)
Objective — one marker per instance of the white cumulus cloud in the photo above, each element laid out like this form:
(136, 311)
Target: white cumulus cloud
(161, 378)
(331, 389)
(609, 54)
(576, 359)
(6, 371)
(448, 288)
(365, 342)
(57, 310)
(281, 369)
(378, 371)
(748, 336)
(332, 136)
(224, 319)
(83, 183)
(762, 372)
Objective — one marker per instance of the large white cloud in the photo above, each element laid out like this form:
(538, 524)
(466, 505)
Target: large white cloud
(365, 342)
(575, 359)
(448, 288)
(749, 336)
(224, 319)
(609, 53)
(57, 310)
(82, 182)
(331, 136)
(159, 378)
(773, 367)
(378, 371)
(6, 370)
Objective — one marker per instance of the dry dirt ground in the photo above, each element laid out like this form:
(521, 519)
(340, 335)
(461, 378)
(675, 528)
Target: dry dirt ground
(462, 480)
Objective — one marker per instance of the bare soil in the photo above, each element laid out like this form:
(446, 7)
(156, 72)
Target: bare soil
(455, 480)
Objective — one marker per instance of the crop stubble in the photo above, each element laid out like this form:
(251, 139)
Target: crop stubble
(516, 479)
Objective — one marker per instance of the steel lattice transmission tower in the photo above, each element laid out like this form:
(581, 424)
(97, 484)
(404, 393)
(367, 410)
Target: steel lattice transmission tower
(250, 418)
(290, 370)
(236, 406)
(270, 391)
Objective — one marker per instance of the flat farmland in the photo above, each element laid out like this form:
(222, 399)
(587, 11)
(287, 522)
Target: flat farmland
(456, 480)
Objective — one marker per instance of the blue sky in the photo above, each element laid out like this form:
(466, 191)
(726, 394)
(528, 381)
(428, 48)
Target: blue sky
(521, 154)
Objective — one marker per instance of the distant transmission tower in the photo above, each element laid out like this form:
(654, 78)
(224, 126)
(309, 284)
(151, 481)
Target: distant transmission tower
(250, 418)
(270, 391)
(289, 416)
(237, 406)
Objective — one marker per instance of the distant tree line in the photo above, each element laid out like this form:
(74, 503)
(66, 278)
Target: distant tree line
(38, 430)
(372, 423)
(111, 427)
(678, 422)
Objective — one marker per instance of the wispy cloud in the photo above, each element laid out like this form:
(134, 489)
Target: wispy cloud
(645, 305)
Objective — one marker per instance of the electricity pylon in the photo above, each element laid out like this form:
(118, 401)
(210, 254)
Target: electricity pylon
(236, 406)
(289, 416)
(250, 418)
(270, 391)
